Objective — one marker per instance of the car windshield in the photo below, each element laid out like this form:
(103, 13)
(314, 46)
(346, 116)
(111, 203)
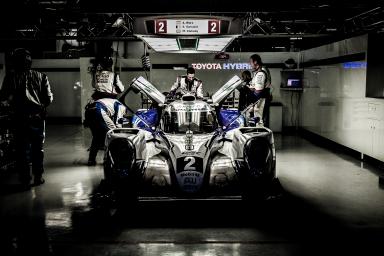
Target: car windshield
(195, 121)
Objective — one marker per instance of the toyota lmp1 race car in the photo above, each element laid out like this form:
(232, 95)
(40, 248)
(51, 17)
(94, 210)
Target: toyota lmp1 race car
(189, 149)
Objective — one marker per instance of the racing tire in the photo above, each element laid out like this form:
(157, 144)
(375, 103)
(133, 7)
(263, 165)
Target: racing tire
(257, 190)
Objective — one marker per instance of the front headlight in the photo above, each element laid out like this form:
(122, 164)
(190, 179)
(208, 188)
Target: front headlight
(258, 156)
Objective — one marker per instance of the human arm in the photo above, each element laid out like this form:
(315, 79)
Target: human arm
(257, 84)
(199, 91)
(103, 116)
(47, 95)
(119, 86)
(175, 86)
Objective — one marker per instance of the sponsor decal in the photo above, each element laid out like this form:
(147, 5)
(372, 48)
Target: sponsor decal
(190, 181)
(191, 153)
(190, 173)
(224, 66)
(189, 140)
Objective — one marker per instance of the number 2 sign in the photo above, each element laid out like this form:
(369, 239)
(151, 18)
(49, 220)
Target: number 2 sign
(160, 26)
(213, 27)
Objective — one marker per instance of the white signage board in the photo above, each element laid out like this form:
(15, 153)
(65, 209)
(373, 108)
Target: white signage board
(187, 26)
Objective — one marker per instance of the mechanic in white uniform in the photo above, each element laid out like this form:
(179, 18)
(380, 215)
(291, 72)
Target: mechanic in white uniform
(261, 87)
(188, 84)
(104, 116)
(106, 83)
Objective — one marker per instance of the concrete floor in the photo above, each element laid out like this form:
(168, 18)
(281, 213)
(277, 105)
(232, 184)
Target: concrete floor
(331, 204)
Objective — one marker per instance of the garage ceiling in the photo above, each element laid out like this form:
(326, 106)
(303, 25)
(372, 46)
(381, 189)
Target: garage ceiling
(267, 26)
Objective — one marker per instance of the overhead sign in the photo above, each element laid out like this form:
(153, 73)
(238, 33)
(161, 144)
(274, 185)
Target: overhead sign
(187, 26)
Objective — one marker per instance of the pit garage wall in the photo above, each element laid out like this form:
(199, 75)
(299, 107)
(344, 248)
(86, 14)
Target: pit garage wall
(333, 103)
(64, 78)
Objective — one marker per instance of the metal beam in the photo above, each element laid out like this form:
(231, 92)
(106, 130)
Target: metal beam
(278, 35)
(91, 38)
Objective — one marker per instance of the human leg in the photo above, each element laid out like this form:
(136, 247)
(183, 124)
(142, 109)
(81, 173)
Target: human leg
(37, 150)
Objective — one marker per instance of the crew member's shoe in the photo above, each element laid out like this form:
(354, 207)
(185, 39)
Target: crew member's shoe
(38, 181)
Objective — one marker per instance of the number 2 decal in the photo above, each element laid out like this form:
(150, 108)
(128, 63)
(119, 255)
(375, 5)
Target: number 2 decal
(213, 27)
(160, 26)
(189, 166)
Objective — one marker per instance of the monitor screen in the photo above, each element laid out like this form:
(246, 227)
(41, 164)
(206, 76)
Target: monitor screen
(291, 79)
(293, 83)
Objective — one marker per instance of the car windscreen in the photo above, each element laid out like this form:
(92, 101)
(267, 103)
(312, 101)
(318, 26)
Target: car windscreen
(195, 121)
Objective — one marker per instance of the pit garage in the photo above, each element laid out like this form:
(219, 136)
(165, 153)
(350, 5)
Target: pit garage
(192, 174)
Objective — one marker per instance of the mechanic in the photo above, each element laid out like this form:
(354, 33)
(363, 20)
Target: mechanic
(262, 89)
(188, 84)
(105, 82)
(103, 116)
(28, 93)
(246, 96)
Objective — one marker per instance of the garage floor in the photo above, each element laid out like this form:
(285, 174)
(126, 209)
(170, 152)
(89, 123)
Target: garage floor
(331, 204)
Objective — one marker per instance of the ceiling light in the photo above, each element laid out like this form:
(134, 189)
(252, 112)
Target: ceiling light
(162, 44)
(187, 45)
(216, 44)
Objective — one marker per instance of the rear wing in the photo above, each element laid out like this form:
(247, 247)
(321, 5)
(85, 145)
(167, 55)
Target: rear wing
(225, 90)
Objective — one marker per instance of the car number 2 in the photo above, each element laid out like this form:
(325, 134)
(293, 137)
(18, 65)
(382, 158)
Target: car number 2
(190, 162)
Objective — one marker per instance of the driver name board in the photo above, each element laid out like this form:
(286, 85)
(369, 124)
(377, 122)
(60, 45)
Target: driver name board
(187, 26)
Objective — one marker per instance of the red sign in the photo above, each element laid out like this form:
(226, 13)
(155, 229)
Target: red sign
(160, 26)
(213, 27)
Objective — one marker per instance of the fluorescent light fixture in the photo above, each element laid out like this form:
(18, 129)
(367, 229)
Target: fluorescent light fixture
(187, 45)
(216, 44)
(162, 44)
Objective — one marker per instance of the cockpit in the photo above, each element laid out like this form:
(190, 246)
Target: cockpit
(180, 117)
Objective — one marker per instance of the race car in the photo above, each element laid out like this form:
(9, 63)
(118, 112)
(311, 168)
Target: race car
(189, 148)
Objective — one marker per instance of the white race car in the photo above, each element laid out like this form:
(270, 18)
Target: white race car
(189, 148)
